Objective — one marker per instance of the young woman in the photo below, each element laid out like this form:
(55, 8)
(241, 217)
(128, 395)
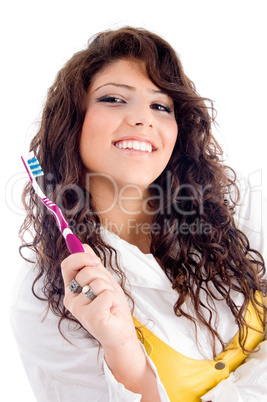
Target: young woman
(168, 298)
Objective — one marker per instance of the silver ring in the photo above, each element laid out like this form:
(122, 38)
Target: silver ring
(88, 292)
(74, 287)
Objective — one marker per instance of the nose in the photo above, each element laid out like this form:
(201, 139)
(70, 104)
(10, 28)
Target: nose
(141, 116)
(143, 124)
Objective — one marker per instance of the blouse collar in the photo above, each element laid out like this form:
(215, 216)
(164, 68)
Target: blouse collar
(140, 269)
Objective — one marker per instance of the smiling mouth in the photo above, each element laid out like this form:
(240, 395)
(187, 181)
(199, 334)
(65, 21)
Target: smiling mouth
(135, 145)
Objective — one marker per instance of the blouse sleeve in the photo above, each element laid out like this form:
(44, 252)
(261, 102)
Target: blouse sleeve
(114, 387)
(251, 213)
(61, 369)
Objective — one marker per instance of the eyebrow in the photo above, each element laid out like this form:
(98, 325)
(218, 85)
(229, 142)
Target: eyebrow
(129, 87)
(115, 84)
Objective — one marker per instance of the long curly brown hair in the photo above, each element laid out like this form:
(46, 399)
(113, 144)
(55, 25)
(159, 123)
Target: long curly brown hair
(196, 242)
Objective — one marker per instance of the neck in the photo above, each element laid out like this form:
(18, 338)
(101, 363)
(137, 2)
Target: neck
(124, 211)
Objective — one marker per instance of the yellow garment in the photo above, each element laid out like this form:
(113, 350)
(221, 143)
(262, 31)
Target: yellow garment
(186, 379)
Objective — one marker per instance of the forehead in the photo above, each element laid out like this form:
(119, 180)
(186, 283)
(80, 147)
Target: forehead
(120, 71)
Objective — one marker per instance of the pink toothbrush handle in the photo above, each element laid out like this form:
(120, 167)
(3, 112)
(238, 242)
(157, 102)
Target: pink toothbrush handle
(73, 243)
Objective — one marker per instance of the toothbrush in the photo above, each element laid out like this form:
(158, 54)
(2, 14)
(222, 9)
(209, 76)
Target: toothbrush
(34, 170)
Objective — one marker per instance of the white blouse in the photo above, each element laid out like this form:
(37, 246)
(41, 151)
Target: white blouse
(73, 369)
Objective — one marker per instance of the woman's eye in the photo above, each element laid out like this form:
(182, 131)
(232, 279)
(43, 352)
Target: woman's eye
(110, 99)
(161, 108)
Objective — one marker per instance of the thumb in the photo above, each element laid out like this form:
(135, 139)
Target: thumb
(90, 251)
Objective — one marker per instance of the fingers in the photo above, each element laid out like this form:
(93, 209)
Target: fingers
(88, 249)
(86, 269)
(90, 313)
(98, 291)
(98, 285)
(96, 279)
(75, 262)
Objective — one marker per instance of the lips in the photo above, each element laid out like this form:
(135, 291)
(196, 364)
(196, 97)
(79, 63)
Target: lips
(134, 144)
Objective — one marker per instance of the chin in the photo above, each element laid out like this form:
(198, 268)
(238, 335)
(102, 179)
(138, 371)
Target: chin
(134, 181)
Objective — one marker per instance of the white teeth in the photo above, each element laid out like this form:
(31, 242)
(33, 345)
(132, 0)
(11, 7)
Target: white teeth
(143, 146)
(136, 145)
(148, 147)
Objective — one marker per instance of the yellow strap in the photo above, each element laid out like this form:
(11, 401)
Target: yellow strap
(187, 379)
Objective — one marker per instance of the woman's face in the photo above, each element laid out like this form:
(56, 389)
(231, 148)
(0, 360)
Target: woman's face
(129, 130)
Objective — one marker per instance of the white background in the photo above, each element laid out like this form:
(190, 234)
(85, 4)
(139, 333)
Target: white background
(222, 45)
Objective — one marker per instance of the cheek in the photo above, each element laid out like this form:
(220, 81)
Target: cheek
(99, 125)
(90, 126)
(88, 145)
(171, 135)
(92, 136)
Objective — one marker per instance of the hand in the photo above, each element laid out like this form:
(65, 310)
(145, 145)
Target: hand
(107, 317)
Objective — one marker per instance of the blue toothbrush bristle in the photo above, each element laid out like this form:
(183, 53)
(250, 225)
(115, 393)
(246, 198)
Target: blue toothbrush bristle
(35, 167)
